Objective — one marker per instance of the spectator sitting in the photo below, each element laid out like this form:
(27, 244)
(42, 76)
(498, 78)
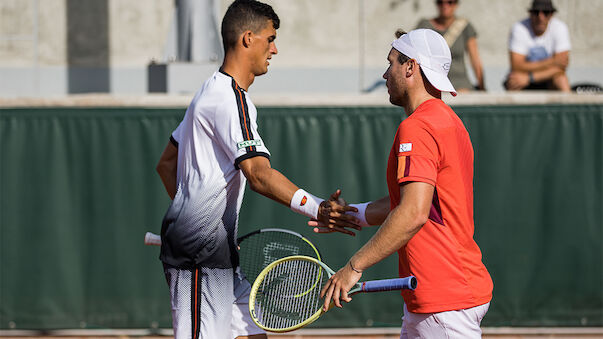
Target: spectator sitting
(539, 50)
(460, 36)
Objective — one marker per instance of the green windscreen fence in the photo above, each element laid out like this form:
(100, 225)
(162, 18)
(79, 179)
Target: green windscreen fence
(78, 190)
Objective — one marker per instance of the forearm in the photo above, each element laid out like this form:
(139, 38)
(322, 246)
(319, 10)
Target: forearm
(399, 227)
(168, 178)
(520, 64)
(167, 168)
(377, 211)
(479, 75)
(546, 74)
(476, 62)
(270, 183)
(274, 185)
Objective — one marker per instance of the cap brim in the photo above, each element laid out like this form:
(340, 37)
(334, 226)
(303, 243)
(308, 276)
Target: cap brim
(439, 81)
(543, 8)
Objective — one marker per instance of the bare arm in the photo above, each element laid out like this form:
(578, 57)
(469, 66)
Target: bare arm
(546, 74)
(557, 61)
(476, 62)
(375, 214)
(401, 225)
(265, 180)
(519, 80)
(377, 211)
(167, 168)
(561, 60)
(544, 70)
(520, 64)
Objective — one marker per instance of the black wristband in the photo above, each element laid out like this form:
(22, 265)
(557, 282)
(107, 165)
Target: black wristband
(353, 269)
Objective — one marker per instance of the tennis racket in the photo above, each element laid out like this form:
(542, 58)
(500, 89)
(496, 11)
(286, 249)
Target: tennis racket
(260, 248)
(286, 294)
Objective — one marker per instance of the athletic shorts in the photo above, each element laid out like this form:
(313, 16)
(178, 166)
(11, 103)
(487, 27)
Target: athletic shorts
(461, 324)
(209, 303)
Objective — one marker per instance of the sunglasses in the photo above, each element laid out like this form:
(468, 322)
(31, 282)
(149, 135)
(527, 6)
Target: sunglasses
(449, 2)
(536, 12)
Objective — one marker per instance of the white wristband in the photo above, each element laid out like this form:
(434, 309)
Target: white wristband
(305, 203)
(361, 214)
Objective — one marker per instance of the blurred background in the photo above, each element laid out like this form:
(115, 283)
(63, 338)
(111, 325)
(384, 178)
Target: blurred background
(59, 47)
(90, 91)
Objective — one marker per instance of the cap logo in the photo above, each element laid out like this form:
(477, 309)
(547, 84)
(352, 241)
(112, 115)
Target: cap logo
(303, 201)
(446, 66)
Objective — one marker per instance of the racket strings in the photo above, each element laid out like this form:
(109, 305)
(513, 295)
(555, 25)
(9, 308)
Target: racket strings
(289, 294)
(259, 250)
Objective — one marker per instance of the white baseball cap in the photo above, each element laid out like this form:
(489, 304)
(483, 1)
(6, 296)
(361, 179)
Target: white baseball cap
(431, 52)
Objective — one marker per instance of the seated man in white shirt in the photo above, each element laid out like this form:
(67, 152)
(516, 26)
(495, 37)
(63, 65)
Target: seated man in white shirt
(539, 50)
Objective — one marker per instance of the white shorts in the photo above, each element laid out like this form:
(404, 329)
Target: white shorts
(210, 303)
(461, 324)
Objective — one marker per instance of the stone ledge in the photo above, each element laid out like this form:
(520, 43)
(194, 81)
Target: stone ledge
(372, 99)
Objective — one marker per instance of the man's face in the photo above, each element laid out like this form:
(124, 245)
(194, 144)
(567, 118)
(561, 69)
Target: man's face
(446, 8)
(395, 79)
(540, 21)
(263, 48)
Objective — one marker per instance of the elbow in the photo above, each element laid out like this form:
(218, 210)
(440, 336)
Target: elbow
(255, 183)
(254, 186)
(166, 170)
(257, 176)
(162, 169)
(418, 220)
(159, 169)
(422, 219)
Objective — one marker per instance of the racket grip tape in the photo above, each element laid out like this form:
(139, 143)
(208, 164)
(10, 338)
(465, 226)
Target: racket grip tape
(408, 283)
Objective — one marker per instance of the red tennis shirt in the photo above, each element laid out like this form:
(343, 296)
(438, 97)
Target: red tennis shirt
(433, 146)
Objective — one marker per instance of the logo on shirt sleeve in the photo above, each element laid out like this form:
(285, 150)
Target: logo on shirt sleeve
(247, 143)
(406, 147)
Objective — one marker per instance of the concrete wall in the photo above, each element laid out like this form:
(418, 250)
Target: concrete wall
(47, 46)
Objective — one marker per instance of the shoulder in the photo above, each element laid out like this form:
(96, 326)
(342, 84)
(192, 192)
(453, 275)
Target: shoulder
(521, 27)
(217, 93)
(414, 127)
(221, 85)
(469, 30)
(432, 113)
(433, 106)
(556, 25)
(559, 34)
(421, 118)
(519, 36)
(424, 23)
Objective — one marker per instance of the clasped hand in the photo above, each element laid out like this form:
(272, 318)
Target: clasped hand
(332, 216)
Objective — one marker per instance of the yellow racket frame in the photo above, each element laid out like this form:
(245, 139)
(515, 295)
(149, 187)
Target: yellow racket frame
(258, 281)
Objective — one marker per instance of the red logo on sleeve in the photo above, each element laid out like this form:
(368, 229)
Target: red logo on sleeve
(303, 201)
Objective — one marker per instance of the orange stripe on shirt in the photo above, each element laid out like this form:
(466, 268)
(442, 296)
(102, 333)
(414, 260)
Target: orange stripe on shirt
(244, 113)
(403, 166)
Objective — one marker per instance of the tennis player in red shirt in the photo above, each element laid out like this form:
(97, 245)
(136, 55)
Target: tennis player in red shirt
(428, 216)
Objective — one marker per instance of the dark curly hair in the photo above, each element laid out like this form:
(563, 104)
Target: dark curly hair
(243, 15)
